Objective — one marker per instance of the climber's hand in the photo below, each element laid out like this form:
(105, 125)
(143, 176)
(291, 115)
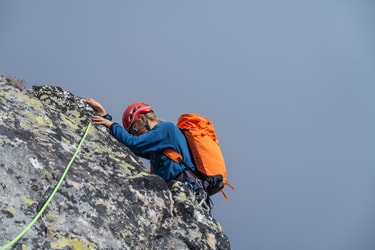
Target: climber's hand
(102, 121)
(96, 105)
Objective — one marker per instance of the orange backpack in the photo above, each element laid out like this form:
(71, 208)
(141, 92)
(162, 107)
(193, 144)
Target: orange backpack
(205, 150)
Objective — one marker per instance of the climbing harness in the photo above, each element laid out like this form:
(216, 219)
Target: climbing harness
(41, 211)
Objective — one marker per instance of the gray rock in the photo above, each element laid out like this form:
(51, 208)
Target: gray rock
(108, 200)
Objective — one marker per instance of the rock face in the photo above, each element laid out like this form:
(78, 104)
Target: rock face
(107, 200)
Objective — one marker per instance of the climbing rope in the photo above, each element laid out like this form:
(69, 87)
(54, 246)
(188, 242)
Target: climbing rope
(41, 211)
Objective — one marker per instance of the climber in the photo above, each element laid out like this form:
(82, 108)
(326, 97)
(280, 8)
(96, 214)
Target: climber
(147, 136)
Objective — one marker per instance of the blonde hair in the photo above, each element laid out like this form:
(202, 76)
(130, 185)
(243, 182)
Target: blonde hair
(152, 116)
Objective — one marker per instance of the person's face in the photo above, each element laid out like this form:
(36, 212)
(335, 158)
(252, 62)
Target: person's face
(139, 126)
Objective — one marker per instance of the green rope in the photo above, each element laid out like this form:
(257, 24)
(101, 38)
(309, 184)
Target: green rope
(20, 235)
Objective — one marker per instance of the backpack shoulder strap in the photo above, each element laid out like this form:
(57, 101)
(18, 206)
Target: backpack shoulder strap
(176, 157)
(173, 155)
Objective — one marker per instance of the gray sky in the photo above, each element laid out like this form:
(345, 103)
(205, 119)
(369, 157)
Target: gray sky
(289, 85)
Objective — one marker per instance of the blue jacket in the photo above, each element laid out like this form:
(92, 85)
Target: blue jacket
(151, 145)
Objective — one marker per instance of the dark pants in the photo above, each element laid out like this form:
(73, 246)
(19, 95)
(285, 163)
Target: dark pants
(190, 178)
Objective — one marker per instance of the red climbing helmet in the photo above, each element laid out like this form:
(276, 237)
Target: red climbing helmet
(132, 112)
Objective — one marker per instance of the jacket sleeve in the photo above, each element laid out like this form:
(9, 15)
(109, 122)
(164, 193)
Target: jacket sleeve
(157, 139)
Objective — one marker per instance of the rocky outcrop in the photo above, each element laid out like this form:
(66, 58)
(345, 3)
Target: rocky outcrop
(107, 200)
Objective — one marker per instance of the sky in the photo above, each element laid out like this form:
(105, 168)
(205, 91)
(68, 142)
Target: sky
(289, 85)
